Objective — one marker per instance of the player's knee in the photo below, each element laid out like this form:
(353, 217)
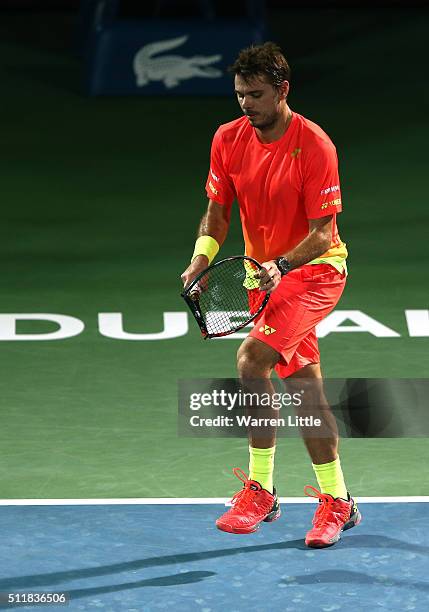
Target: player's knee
(251, 363)
(246, 367)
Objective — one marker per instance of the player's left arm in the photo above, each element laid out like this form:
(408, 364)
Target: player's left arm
(321, 192)
(313, 245)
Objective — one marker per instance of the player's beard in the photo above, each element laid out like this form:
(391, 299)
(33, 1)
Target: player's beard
(264, 123)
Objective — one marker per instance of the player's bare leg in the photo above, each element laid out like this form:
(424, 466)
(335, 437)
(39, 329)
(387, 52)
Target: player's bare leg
(321, 442)
(257, 501)
(255, 362)
(336, 511)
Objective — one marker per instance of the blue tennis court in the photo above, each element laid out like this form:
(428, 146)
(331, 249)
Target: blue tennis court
(156, 557)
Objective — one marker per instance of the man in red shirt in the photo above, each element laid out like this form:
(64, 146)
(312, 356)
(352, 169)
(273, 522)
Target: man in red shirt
(283, 171)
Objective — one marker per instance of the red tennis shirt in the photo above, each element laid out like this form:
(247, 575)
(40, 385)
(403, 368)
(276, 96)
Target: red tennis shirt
(279, 186)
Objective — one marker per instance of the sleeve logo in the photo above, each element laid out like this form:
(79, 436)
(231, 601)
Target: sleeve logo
(330, 190)
(336, 202)
(216, 178)
(213, 188)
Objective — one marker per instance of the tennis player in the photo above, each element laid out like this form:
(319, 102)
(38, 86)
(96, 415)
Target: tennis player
(283, 170)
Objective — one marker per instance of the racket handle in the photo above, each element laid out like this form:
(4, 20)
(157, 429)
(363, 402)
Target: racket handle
(195, 294)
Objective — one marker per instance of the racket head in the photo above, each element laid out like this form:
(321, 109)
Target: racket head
(224, 290)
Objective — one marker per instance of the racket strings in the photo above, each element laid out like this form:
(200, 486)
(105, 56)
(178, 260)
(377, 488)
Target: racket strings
(228, 295)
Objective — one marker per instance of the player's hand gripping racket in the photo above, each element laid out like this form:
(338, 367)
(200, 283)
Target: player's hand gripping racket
(225, 297)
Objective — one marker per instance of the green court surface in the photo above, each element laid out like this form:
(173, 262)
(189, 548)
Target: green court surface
(101, 198)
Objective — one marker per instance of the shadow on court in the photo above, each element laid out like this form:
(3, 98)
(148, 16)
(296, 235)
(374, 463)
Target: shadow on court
(355, 541)
(348, 577)
(22, 582)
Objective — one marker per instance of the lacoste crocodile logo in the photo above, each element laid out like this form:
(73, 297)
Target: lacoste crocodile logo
(171, 69)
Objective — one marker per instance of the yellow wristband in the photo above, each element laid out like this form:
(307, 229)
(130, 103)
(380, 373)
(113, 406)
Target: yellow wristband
(206, 245)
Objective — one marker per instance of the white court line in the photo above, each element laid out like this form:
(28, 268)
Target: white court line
(147, 501)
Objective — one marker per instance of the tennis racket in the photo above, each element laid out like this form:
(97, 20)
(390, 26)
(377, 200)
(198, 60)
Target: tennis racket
(225, 297)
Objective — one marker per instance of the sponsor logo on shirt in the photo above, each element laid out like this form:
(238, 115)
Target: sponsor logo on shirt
(336, 202)
(295, 152)
(267, 330)
(330, 189)
(216, 178)
(213, 188)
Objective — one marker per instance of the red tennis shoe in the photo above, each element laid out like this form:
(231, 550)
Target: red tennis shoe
(250, 507)
(333, 516)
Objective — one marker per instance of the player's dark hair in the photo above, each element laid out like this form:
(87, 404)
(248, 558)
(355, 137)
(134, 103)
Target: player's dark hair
(262, 60)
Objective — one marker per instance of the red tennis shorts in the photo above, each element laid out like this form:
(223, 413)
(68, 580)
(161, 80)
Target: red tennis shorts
(304, 297)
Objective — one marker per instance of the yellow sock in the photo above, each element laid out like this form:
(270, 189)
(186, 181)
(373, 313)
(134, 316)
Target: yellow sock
(330, 478)
(261, 466)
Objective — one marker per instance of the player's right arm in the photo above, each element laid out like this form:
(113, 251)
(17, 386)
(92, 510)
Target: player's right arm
(214, 223)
